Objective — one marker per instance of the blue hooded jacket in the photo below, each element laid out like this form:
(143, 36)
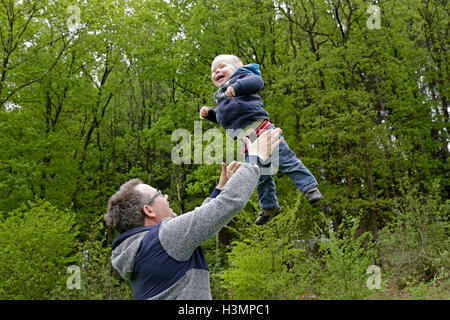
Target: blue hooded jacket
(246, 107)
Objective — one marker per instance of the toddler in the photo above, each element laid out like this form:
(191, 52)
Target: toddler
(240, 108)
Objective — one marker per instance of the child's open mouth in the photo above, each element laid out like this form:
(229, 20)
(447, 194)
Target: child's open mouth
(220, 77)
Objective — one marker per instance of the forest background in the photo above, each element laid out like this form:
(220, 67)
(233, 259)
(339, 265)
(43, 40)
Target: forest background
(92, 91)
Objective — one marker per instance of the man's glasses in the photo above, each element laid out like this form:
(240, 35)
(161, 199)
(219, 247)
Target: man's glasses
(159, 193)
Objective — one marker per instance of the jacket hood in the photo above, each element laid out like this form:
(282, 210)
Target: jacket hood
(124, 250)
(252, 68)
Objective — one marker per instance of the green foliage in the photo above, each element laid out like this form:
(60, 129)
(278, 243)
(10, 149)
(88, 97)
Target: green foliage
(261, 261)
(98, 279)
(415, 245)
(346, 261)
(256, 272)
(37, 243)
(274, 264)
(82, 111)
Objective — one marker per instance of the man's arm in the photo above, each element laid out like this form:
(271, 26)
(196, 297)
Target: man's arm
(180, 236)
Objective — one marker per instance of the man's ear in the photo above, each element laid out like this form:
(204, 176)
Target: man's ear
(148, 211)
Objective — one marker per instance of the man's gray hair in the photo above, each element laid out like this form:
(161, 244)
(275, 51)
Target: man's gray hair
(125, 207)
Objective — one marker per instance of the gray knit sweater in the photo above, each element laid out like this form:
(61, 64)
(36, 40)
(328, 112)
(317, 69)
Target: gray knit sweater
(166, 261)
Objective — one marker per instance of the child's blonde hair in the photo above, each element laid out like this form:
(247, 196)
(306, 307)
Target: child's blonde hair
(229, 58)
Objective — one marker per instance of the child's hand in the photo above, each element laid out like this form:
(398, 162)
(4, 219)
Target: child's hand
(204, 112)
(230, 92)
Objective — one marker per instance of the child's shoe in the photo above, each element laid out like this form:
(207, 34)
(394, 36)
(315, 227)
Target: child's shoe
(313, 195)
(265, 215)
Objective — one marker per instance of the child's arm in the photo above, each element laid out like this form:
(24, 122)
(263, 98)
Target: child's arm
(208, 113)
(250, 84)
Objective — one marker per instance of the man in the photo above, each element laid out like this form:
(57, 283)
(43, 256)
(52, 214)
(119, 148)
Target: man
(160, 252)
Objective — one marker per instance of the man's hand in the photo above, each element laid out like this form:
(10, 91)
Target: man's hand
(204, 112)
(230, 92)
(265, 144)
(227, 173)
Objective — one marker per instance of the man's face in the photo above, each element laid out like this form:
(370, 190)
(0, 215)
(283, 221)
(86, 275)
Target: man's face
(160, 205)
(221, 72)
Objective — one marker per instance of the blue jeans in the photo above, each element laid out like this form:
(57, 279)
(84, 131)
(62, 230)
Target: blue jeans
(288, 163)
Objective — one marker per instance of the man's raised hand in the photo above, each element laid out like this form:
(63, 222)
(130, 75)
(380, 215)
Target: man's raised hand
(265, 144)
(227, 173)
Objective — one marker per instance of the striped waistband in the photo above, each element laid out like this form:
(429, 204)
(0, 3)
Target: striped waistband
(260, 129)
(250, 129)
(256, 132)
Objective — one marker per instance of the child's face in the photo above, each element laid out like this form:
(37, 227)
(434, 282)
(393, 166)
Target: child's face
(221, 72)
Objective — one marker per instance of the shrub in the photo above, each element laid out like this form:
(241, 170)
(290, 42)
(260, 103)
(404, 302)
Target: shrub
(260, 262)
(37, 243)
(415, 245)
(256, 272)
(346, 261)
(272, 263)
(98, 279)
